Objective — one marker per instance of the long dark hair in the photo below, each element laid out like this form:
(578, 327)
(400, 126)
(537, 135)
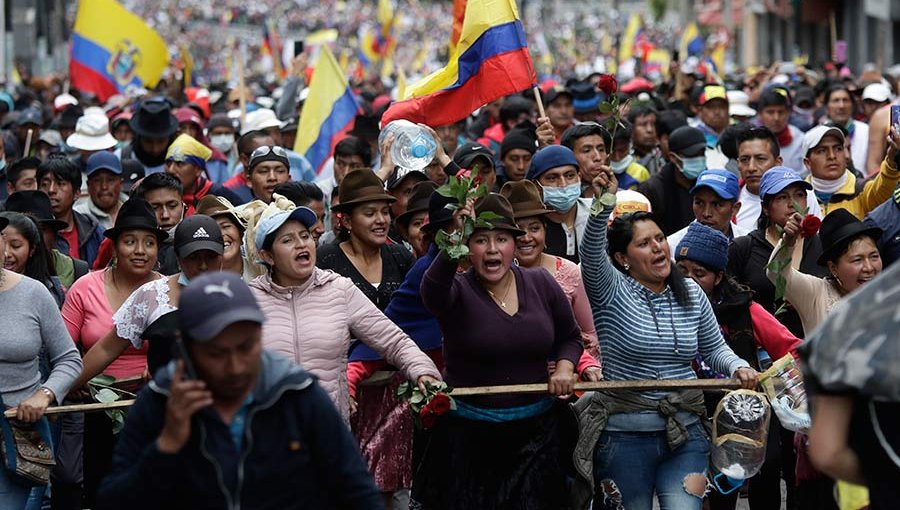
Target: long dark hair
(38, 266)
(619, 236)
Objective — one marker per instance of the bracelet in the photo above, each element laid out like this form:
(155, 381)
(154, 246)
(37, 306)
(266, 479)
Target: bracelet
(49, 394)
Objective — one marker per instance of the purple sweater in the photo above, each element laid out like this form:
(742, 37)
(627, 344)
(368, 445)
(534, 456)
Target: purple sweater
(483, 345)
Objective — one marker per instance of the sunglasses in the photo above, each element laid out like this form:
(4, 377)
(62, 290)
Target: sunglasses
(266, 149)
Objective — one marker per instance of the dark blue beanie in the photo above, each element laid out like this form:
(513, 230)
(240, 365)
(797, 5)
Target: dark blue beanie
(705, 245)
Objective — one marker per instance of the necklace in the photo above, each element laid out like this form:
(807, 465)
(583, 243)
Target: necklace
(501, 301)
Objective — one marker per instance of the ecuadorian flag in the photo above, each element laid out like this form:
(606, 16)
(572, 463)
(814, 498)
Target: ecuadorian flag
(328, 113)
(112, 49)
(491, 61)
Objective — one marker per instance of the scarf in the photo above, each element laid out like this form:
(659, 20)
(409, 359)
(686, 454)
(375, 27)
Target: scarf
(824, 188)
(785, 138)
(191, 199)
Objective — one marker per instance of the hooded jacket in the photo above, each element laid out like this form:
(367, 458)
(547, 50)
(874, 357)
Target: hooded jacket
(297, 453)
(313, 325)
(90, 235)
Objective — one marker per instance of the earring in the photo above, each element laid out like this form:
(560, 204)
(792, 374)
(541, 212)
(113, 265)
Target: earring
(627, 267)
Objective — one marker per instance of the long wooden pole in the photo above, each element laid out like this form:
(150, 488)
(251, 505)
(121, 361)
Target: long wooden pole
(540, 102)
(513, 389)
(678, 384)
(79, 408)
(242, 86)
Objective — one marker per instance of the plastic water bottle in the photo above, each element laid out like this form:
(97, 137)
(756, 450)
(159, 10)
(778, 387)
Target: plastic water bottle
(740, 430)
(413, 147)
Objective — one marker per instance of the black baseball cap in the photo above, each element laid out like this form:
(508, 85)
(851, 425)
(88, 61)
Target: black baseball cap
(687, 141)
(466, 153)
(199, 232)
(212, 302)
(401, 174)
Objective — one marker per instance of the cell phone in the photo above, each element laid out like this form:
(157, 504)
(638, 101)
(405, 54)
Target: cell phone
(182, 352)
(895, 116)
(298, 47)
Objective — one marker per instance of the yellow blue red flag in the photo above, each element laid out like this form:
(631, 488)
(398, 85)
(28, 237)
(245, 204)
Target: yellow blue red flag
(491, 61)
(328, 113)
(112, 49)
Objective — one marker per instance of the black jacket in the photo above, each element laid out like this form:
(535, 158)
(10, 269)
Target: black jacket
(747, 259)
(672, 205)
(298, 453)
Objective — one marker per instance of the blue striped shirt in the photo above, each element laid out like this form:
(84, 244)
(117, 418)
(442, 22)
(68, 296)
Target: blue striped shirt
(647, 335)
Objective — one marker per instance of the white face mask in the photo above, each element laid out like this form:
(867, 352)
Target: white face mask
(222, 142)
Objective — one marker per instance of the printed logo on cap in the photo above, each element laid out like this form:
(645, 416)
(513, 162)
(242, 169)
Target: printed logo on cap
(200, 232)
(218, 289)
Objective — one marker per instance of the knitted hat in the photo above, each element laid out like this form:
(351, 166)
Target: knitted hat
(705, 245)
(548, 158)
(518, 139)
(186, 149)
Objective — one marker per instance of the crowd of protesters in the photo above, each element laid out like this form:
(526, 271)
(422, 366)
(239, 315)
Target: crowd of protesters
(265, 313)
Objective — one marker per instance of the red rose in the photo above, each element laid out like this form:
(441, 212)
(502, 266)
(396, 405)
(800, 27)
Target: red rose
(440, 404)
(608, 84)
(809, 226)
(427, 417)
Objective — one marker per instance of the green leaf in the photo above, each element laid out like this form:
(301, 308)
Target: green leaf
(799, 208)
(117, 416)
(468, 228)
(489, 215)
(780, 287)
(106, 380)
(106, 395)
(607, 199)
(417, 397)
(606, 107)
(458, 251)
(446, 190)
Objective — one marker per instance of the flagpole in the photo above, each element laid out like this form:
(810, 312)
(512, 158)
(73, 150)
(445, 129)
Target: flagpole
(242, 98)
(540, 102)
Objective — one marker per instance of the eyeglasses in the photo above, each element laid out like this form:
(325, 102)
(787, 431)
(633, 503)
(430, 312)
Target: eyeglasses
(266, 149)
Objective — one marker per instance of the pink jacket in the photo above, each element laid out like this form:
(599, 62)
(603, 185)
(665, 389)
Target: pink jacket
(313, 324)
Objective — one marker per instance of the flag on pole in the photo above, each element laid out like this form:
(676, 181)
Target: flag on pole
(112, 49)
(272, 46)
(626, 45)
(691, 42)
(492, 61)
(328, 113)
(459, 14)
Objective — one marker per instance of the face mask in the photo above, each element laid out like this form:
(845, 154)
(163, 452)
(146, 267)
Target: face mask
(562, 199)
(693, 167)
(2, 165)
(222, 142)
(171, 233)
(183, 280)
(620, 166)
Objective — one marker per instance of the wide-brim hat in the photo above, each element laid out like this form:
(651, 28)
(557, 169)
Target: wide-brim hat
(3, 223)
(838, 227)
(360, 186)
(525, 199)
(419, 198)
(215, 206)
(136, 213)
(37, 204)
(439, 216)
(499, 205)
(154, 119)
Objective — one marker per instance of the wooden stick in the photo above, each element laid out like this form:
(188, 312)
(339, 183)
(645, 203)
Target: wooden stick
(674, 384)
(540, 102)
(28, 143)
(80, 408)
(242, 99)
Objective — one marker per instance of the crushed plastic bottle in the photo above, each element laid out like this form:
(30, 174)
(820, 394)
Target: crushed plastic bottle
(783, 384)
(740, 430)
(413, 147)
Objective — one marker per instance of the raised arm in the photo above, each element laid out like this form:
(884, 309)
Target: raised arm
(599, 275)
(799, 288)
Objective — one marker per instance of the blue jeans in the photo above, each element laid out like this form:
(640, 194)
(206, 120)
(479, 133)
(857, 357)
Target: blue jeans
(630, 466)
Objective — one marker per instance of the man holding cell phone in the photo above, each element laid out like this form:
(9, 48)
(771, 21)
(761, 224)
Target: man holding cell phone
(231, 425)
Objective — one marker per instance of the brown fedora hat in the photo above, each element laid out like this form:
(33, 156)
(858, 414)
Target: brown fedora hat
(499, 205)
(524, 198)
(359, 186)
(418, 201)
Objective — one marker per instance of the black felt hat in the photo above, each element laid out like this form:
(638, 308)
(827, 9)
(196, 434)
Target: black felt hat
(136, 213)
(37, 204)
(840, 227)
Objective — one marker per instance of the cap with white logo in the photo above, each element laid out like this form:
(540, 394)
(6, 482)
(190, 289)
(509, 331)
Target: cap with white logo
(199, 232)
(212, 302)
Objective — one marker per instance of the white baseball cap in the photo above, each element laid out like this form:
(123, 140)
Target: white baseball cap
(878, 92)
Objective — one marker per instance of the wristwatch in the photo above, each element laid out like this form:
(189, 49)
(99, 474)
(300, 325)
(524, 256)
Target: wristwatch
(49, 394)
